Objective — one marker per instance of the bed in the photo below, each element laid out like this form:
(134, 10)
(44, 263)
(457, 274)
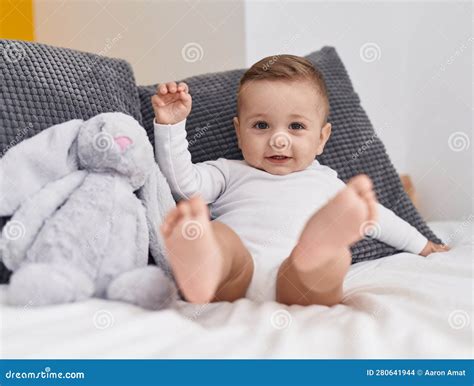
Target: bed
(400, 306)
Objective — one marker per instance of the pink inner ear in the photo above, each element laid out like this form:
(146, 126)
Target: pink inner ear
(123, 142)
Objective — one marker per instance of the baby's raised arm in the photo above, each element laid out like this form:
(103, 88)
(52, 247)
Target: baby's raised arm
(172, 104)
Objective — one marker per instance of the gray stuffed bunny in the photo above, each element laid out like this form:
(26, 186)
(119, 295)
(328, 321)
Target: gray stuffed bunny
(78, 230)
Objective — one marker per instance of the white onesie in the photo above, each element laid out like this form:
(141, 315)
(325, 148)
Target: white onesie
(267, 211)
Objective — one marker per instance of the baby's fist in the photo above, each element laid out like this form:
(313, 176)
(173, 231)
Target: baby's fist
(431, 247)
(171, 103)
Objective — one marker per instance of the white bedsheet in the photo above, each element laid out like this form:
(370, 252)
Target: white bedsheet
(402, 306)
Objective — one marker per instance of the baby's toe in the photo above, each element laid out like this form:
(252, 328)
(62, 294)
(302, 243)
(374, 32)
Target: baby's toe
(174, 216)
(170, 221)
(198, 207)
(370, 197)
(165, 230)
(373, 210)
(184, 209)
(361, 184)
(443, 247)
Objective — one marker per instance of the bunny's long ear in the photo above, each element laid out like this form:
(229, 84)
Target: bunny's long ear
(156, 196)
(31, 164)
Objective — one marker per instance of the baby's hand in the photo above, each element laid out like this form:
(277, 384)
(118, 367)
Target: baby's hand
(172, 103)
(431, 247)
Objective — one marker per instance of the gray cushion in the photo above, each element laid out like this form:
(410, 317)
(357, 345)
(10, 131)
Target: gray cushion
(352, 149)
(43, 85)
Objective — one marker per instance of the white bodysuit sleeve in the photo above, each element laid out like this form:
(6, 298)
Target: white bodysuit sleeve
(208, 179)
(393, 230)
(397, 232)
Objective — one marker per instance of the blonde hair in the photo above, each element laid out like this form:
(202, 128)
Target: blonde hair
(286, 67)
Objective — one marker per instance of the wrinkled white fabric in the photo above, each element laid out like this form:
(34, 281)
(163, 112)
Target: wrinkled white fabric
(400, 306)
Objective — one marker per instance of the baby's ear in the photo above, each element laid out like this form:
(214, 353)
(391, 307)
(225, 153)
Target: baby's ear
(236, 122)
(323, 137)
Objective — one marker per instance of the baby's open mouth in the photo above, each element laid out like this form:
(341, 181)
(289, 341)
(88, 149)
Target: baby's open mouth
(278, 158)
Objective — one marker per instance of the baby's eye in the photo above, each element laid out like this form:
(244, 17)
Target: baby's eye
(261, 125)
(296, 126)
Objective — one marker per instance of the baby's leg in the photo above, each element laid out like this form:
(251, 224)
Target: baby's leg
(208, 259)
(315, 270)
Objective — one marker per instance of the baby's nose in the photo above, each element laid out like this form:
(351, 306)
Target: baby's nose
(123, 142)
(280, 141)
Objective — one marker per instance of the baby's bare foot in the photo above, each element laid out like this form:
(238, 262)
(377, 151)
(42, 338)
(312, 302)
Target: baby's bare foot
(193, 251)
(323, 248)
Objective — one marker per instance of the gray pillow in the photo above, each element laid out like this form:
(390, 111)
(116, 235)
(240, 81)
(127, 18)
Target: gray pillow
(352, 149)
(43, 85)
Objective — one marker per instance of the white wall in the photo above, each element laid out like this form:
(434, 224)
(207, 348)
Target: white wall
(163, 40)
(417, 92)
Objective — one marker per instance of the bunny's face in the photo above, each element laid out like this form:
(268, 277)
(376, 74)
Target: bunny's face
(115, 142)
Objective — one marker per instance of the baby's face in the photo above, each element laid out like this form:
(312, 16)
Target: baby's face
(280, 126)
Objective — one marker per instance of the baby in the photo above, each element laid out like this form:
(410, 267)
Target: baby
(282, 222)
